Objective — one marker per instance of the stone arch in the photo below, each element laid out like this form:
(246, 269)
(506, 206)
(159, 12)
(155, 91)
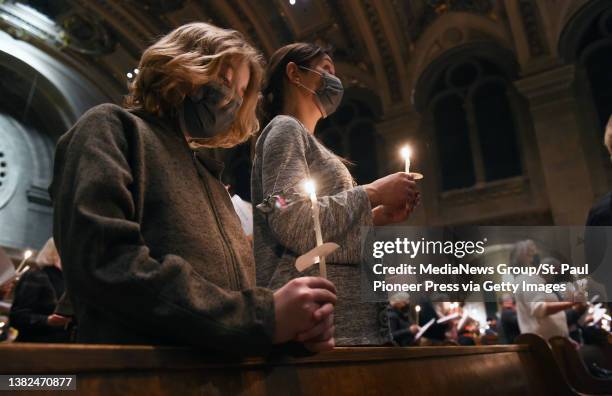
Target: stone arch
(451, 30)
(41, 99)
(573, 31)
(586, 40)
(503, 57)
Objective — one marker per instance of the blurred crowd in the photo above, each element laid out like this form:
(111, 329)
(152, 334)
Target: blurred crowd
(580, 314)
(33, 304)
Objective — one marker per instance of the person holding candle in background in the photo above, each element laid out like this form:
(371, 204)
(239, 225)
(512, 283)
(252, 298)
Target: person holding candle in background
(300, 89)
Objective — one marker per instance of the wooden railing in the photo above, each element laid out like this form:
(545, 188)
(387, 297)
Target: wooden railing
(575, 370)
(525, 369)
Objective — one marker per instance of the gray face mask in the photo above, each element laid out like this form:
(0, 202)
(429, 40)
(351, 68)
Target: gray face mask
(329, 95)
(203, 114)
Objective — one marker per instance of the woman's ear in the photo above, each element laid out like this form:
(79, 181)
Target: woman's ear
(293, 73)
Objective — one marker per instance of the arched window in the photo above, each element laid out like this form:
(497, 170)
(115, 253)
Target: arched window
(453, 136)
(474, 123)
(586, 41)
(351, 133)
(496, 129)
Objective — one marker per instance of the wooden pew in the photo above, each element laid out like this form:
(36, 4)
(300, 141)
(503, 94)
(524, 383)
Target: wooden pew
(575, 370)
(148, 370)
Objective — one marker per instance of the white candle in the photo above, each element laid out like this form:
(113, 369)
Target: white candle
(310, 189)
(417, 309)
(26, 255)
(23, 271)
(406, 152)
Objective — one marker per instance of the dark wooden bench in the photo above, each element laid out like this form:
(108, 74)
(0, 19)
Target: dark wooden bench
(575, 370)
(525, 369)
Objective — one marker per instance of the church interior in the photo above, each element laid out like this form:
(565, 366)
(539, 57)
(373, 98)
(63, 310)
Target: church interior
(505, 105)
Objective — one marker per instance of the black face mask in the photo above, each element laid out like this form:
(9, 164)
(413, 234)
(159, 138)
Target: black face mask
(203, 115)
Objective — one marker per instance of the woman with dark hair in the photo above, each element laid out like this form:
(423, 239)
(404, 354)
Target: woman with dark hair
(300, 89)
(152, 248)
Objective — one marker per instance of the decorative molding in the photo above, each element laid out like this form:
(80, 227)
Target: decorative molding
(250, 32)
(39, 195)
(62, 24)
(8, 178)
(87, 34)
(391, 72)
(24, 22)
(549, 86)
(486, 192)
(119, 19)
(156, 7)
(531, 25)
(529, 218)
(416, 16)
(354, 52)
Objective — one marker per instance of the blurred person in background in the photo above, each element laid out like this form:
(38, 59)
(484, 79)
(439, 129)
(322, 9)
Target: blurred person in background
(508, 327)
(539, 312)
(402, 325)
(601, 213)
(36, 295)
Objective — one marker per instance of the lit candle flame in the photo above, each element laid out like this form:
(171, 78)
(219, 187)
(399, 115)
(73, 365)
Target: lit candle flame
(406, 152)
(27, 254)
(309, 186)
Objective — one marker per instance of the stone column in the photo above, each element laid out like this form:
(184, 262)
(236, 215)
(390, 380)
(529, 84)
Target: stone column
(558, 129)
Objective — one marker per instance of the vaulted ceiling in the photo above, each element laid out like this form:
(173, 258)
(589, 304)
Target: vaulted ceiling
(375, 42)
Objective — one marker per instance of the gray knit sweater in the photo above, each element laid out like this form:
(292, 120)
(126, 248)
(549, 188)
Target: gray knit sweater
(286, 154)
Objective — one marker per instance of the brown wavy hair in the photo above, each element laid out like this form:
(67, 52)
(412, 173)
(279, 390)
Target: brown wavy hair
(186, 58)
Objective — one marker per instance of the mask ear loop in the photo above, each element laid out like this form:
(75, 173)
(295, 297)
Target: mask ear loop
(314, 93)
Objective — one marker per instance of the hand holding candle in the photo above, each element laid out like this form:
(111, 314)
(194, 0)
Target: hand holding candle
(309, 186)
